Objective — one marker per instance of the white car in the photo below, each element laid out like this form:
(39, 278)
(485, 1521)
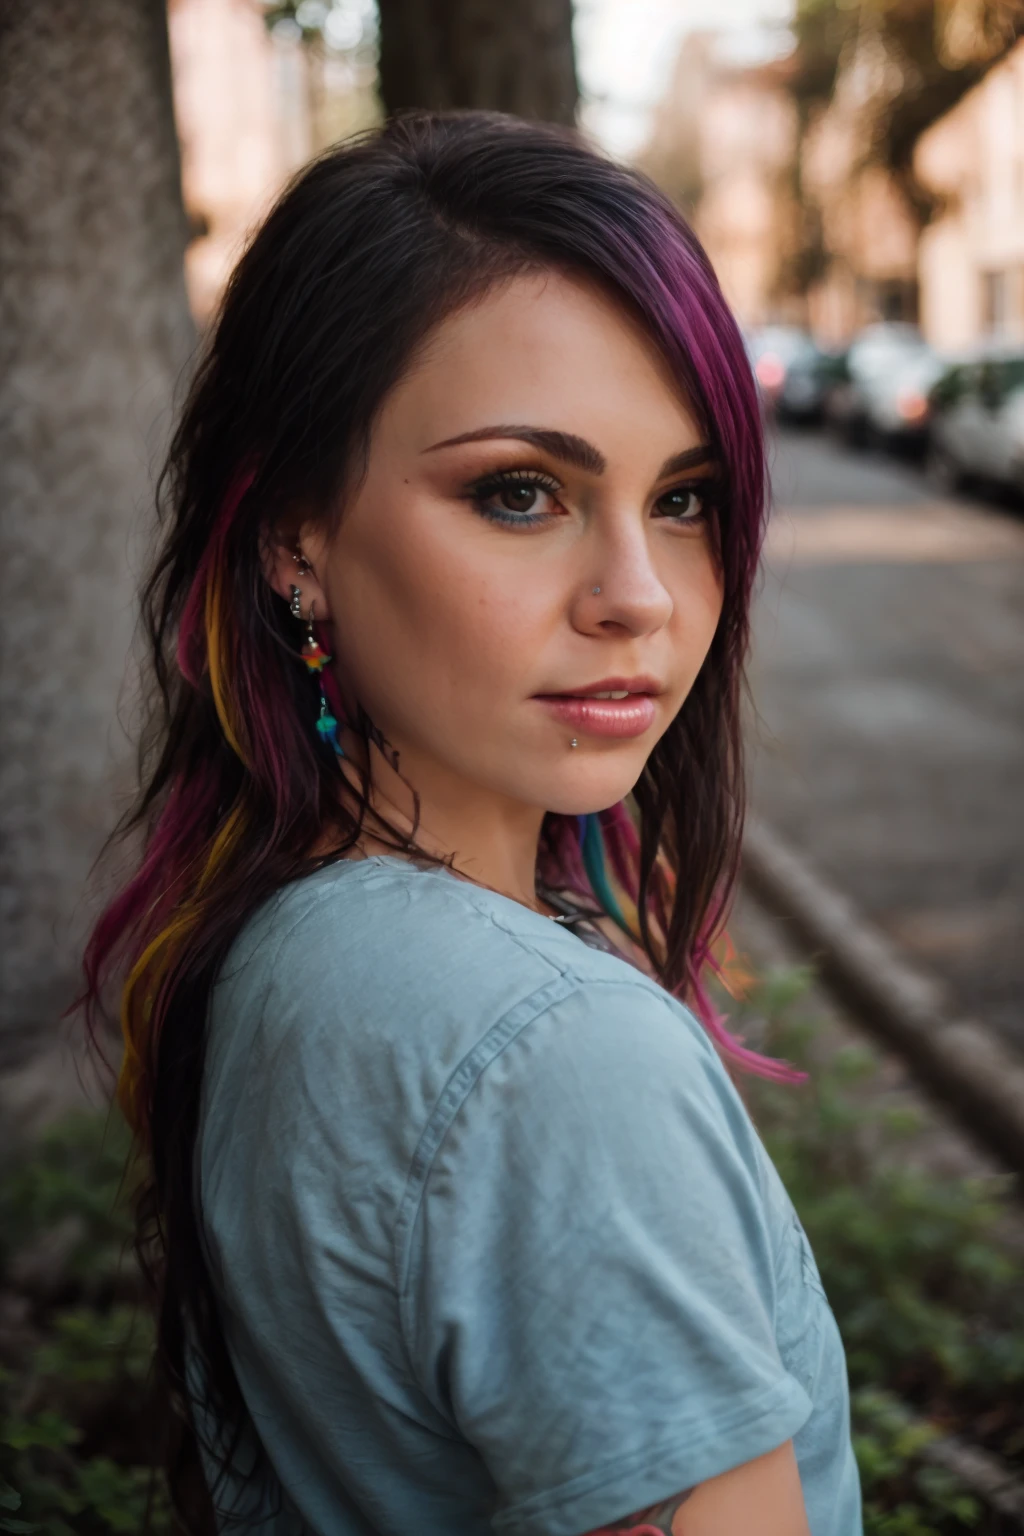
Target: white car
(977, 425)
(867, 401)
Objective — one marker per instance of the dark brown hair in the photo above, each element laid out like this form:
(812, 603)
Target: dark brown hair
(368, 250)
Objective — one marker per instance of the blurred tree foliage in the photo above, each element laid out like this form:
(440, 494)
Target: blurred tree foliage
(454, 53)
(914, 58)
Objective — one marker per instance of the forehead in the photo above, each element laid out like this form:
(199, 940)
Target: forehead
(551, 350)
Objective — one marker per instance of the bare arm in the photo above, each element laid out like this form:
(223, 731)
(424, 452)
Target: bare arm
(763, 1495)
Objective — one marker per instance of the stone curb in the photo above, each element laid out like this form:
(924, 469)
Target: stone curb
(966, 1066)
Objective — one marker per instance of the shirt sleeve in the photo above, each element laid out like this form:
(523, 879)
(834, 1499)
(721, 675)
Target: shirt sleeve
(588, 1292)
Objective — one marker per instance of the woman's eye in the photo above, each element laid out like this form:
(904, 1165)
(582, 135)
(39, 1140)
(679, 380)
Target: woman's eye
(515, 498)
(519, 498)
(685, 504)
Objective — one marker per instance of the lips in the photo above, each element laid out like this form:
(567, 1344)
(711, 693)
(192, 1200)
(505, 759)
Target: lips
(629, 685)
(624, 717)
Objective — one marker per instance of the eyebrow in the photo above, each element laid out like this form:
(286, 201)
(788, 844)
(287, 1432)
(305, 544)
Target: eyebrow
(575, 450)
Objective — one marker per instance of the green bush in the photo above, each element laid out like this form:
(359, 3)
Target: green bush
(75, 1425)
(929, 1302)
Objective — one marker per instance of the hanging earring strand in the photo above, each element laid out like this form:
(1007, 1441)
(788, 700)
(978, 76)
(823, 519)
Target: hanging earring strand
(316, 658)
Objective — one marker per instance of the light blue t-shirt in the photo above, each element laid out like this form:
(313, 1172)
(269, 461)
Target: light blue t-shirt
(497, 1245)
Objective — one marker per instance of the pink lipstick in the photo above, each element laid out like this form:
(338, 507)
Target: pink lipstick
(628, 712)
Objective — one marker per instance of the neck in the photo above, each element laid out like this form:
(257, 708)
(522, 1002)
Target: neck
(492, 843)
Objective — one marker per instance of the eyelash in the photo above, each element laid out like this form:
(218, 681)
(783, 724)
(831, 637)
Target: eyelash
(502, 480)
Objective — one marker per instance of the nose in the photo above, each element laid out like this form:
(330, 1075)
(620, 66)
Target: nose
(632, 596)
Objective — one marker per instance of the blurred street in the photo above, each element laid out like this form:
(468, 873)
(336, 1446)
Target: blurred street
(889, 748)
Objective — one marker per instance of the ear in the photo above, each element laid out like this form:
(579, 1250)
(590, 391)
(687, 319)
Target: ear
(297, 559)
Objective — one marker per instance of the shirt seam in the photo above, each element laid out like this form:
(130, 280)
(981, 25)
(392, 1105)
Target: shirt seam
(555, 1499)
(466, 893)
(446, 1108)
(452, 1099)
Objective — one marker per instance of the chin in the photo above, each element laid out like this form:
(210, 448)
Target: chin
(581, 788)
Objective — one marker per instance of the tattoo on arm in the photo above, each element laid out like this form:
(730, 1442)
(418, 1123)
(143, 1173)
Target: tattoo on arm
(654, 1521)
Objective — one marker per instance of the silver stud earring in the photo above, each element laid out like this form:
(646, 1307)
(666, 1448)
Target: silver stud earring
(596, 591)
(302, 563)
(296, 603)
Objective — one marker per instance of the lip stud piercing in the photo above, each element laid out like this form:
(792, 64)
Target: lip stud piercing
(573, 743)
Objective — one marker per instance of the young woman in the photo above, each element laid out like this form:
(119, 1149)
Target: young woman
(457, 1221)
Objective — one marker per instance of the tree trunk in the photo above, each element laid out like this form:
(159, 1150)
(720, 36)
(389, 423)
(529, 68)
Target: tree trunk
(94, 329)
(507, 55)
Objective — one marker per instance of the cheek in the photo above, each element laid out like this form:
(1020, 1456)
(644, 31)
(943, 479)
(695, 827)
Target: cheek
(427, 627)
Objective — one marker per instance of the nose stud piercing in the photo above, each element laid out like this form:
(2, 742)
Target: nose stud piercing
(596, 591)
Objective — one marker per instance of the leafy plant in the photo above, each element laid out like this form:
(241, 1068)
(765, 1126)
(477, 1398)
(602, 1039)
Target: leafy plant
(903, 1494)
(927, 1296)
(75, 1426)
(71, 1185)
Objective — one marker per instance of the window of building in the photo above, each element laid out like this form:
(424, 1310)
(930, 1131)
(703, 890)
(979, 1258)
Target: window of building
(994, 296)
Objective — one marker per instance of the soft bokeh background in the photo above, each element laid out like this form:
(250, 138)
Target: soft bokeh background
(855, 169)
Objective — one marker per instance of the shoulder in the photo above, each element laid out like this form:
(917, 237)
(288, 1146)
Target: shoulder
(608, 1057)
(374, 928)
(389, 973)
(409, 934)
(605, 1122)
(379, 952)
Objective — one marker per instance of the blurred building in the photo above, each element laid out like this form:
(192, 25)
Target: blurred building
(972, 254)
(798, 227)
(723, 144)
(252, 105)
(867, 235)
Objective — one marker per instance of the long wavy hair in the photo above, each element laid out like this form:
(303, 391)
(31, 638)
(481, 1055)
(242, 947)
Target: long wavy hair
(368, 249)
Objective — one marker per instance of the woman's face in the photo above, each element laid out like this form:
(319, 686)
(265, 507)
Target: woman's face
(536, 450)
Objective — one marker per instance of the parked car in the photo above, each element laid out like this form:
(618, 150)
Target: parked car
(787, 365)
(863, 401)
(897, 404)
(978, 421)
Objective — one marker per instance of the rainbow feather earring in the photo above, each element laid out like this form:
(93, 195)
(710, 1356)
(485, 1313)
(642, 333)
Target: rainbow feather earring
(316, 658)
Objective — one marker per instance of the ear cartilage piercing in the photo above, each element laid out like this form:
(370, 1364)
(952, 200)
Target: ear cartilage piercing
(301, 561)
(596, 591)
(316, 658)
